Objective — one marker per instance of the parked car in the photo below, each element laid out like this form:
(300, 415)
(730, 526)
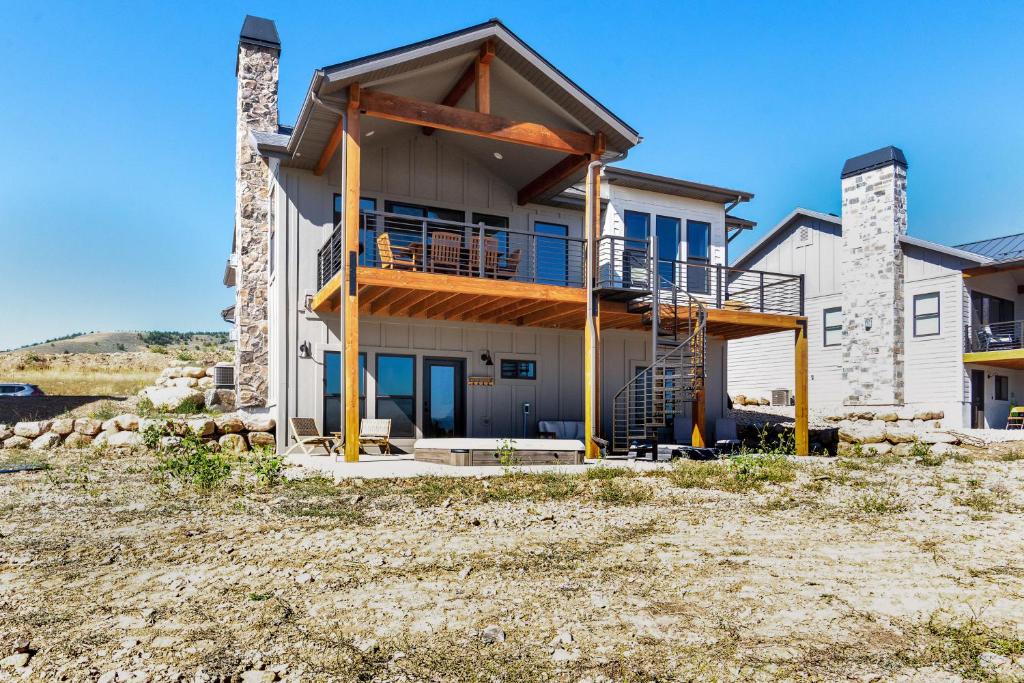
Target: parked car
(19, 390)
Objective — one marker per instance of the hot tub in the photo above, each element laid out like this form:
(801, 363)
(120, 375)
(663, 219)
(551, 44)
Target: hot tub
(485, 451)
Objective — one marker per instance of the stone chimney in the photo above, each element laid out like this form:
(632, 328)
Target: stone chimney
(871, 269)
(259, 51)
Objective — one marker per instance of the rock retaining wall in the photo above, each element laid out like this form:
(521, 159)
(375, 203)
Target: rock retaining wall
(899, 431)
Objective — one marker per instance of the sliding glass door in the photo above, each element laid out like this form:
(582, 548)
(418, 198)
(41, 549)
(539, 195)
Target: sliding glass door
(396, 392)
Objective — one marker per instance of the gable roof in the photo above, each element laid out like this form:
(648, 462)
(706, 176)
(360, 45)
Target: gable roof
(943, 249)
(510, 49)
(674, 186)
(779, 227)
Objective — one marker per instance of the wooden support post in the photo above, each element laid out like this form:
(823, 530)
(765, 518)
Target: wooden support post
(591, 328)
(803, 442)
(349, 293)
(699, 436)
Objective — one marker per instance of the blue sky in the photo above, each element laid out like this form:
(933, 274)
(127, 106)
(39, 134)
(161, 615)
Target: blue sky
(116, 197)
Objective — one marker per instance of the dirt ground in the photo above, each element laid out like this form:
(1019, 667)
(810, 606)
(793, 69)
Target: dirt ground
(856, 569)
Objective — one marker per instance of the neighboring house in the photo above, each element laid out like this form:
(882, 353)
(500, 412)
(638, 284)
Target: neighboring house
(893, 320)
(422, 245)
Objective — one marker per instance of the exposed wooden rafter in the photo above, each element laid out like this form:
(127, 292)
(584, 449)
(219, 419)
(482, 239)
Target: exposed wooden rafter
(467, 79)
(331, 147)
(393, 107)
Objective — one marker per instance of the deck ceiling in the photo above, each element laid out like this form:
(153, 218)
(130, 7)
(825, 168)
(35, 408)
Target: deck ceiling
(430, 296)
(1011, 359)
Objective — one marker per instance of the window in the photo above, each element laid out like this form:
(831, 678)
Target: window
(1002, 388)
(926, 314)
(552, 254)
(396, 392)
(833, 324)
(634, 256)
(698, 251)
(333, 397)
(667, 230)
(367, 252)
(518, 369)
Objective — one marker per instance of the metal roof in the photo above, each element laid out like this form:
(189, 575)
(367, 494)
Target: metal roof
(259, 31)
(872, 160)
(674, 186)
(998, 248)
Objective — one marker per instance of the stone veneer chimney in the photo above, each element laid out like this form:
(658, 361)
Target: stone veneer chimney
(871, 269)
(259, 51)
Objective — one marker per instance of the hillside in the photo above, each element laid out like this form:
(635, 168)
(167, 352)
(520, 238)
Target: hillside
(112, 342)
(108, 364)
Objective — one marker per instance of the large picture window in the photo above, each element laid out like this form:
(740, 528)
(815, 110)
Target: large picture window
(396, 392)
(367, 252)
(926, 314)
(634, 256)
(333, 397)
(833, 325)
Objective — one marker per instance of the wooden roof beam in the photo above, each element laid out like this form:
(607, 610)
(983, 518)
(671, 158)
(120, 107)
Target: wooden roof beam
(468, 78)
(392, 107)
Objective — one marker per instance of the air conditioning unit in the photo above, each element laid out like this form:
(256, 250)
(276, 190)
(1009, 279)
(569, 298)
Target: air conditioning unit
(780, 397)
(224, 376)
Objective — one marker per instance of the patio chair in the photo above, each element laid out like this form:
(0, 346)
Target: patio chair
(990, 340)
(1016, 418)
(726, 438)
(491, 255)
(445, 251)
(511, 267)
(394, 257)
(308, 437)
(375, 432)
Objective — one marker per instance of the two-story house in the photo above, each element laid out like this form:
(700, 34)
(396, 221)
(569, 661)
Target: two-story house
(439, 240)
(894, 320)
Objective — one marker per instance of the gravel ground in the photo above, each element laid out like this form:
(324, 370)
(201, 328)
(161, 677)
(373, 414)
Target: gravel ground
(850, 569)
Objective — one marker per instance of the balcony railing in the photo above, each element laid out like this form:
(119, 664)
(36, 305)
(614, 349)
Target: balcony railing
(410, 243)
(1004, 336)
(430, 245)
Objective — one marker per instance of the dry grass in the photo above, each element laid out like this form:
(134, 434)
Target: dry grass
(108, 382)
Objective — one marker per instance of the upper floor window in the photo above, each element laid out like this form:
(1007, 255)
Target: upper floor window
(926, 314)
(833, 326)
(698, 251)
(365, 204)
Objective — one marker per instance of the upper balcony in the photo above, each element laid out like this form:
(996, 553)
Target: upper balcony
(1000, 344)
(411, 266)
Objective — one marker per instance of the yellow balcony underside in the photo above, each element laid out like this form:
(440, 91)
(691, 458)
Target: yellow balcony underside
(407, 294)
(1012, 359)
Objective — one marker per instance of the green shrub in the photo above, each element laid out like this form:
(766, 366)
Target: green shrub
(1012, 455)
(266, 465)
(194, 463)
(185, 356)
(745, 472)
(104, 411)
(880, 503)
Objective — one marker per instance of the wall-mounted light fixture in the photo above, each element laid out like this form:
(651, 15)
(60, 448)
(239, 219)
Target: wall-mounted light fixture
(305, 350)
(486, 358)
(868, 322)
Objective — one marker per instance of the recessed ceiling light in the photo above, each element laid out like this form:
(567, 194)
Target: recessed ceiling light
(370, 133)
(497, 155)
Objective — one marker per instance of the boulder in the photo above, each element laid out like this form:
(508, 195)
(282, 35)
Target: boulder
(258, 423)
(63, 426)
(220, 399)
(6, 432)
(262, 439)
(124, 440)
(31, 430)
(193, 371)
(45, 442)
(905, 424)
(127, 422)
(929, 415)
(170, 398)
(880, 448)
(740, 400)
(205, 383)
(229, 424)
(233, 442)
(88, 426)
(764, 402)
(905, 413)
(170, 441)
(110, 425)
(160, 381)
(17, 442)
(78, 440)
(902, 449)
(202, 426)
(862, 432)
(938, 437)
(897, 434)
(182, 382)
(887, 417)
(210, 371)
(171, 373)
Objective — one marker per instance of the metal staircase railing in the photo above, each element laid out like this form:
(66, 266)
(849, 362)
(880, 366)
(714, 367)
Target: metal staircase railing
(644, 408)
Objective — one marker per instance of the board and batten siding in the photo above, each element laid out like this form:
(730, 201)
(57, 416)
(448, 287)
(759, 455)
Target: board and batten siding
(759, 365)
